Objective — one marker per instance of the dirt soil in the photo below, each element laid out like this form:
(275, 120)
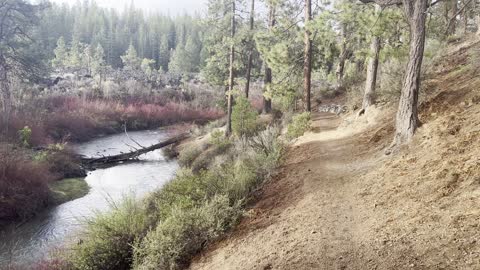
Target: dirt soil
(338, 202)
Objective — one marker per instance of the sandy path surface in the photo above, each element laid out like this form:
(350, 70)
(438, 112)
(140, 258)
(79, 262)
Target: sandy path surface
(307, 216)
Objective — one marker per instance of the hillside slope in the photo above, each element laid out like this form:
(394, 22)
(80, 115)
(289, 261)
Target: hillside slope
(339, 203)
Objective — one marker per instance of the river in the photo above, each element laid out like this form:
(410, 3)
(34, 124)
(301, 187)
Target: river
(23, 244)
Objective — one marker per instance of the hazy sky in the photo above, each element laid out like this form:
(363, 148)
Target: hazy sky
(163, 6)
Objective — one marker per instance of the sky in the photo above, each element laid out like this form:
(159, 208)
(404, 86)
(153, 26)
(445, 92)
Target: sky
(173, 7)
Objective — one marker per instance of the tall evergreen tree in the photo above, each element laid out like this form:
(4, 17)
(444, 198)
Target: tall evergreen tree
(61, 54)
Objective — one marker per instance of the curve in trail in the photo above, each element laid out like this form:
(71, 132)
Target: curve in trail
(306, 216)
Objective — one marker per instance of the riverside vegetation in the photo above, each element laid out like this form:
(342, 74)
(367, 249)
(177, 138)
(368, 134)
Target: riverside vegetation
(208, 196)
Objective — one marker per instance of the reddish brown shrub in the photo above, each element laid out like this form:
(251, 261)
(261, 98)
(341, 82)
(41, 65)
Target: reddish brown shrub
(23, 184)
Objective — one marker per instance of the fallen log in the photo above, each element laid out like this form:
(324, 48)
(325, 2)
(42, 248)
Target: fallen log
(124, 157)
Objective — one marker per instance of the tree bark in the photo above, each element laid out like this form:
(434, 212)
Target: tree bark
(343, 57)
(407, 120)
(6, 98)
(452, 23)
(231, 80)
(267, 102)
(307, 70)
(250, 53)
(372, 70)
(477, 16)
(466, 8)
(124, 157)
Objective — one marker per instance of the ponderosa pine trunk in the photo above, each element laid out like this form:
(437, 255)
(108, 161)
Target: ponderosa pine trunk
(465, 9)
(407, 120)
(452, 22)
(307, 69)
(267, 102)
(342, 59)
(372, 70)
(231, 79)
(6, 98)
(250, 53)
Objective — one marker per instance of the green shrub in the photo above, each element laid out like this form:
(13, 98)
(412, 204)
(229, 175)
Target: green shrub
(188, 155)
(108, 239)
(205, 159)
(25, 135)
(244, 118)
(269, 150)
(300, 124)
(186, 214)
(184, 233)
(185, 191)
(218, 139)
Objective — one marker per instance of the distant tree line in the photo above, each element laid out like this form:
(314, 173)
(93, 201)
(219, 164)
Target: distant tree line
(84, 34)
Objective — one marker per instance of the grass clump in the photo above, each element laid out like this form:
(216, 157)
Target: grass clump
(188, 156)
(109, 237)
(300, 124)
(184, 233)
(68, 190)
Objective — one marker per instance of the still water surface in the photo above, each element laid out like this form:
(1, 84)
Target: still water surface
(23, 244)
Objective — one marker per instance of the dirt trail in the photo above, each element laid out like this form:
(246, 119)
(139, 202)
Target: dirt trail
(307, 216)
(339, 203)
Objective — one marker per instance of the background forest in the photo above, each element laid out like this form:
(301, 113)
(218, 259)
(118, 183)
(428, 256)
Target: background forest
(70, 73)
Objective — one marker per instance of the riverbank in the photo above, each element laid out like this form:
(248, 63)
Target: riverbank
(68, 190)
(27, 243)
(207, 198)
(36, 141)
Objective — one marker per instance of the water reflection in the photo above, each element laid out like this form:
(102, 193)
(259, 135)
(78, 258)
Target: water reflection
(31, 241)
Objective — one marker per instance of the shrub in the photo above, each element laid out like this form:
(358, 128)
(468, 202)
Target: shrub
(269, 150)
(184, 233)
(63, 163)
(186, 214)
(23, 184)
(244, 118)
(218, 139)
(108, 239)
(25, 135)
(188, 155)
(299, 125)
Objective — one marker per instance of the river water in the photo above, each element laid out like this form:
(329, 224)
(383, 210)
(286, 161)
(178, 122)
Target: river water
(23, 244)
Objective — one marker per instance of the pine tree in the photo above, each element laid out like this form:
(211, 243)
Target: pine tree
(99, 63)
(164, 54)
(130, 59)
(74, 57)
(61, 54)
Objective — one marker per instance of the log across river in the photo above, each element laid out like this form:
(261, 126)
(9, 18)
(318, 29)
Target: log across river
(90, 162)
(31, 241)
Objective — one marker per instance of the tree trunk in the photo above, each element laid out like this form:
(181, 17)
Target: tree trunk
(477, 15)
(465, 11)
(343, 57)
(267, 102)
(307, 70)
(372, 69)
(231, 80)
(250, 53)
(6, 98)
(407, 116)
(452, 23)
